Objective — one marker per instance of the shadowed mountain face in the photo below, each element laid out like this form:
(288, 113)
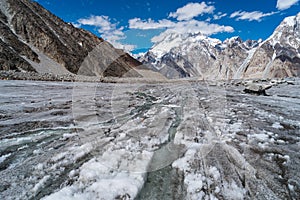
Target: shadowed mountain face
(195, 55)
(33, 39)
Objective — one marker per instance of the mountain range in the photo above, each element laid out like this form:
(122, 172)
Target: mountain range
(196, 55)
(33, 39)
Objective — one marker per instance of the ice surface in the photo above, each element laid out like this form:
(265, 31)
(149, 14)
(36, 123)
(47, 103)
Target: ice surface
(277, 125)
(3, 157)
(196, 140)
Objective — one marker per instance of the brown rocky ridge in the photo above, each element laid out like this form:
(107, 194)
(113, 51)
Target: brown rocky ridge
(33, 39)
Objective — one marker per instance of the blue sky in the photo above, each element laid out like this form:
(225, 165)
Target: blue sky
(135, 25)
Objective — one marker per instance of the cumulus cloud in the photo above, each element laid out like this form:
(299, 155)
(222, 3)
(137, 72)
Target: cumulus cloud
(137, 23)
(191, 10)
(99, 21)
(193, 26)
(125, 47)
(184, 22)
(285, 4)
(108, 30)
(250, 16)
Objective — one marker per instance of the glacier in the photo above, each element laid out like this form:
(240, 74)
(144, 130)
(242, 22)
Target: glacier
(176, 140)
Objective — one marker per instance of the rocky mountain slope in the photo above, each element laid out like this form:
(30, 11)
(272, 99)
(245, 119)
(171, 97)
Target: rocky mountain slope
(33, 39)
(279, 55)
(195, 55)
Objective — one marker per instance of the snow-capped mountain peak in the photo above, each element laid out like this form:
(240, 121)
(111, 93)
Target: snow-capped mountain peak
(180, 55)
(181, 41)
(288, 32)
(292, 20)
(235, 39)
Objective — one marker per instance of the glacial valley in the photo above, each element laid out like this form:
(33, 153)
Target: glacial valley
(182, 140)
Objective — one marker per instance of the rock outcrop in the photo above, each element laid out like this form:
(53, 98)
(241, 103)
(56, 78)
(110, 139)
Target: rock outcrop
(258, 89)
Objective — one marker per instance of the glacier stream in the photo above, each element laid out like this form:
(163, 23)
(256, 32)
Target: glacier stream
(181, 140)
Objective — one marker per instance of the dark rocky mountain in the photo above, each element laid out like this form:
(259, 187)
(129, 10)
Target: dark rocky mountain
(33, 39)
(195, 55)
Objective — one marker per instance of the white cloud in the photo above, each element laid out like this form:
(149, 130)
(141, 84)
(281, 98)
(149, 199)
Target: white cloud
(208, 19)
(191, 10)
(219, 16)
(125, 47)
(184, 22)
(108, 30)
(99, 21)
(193, 26)
(285, 4)
(137, 23)
(77, 25)
(250, 16)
